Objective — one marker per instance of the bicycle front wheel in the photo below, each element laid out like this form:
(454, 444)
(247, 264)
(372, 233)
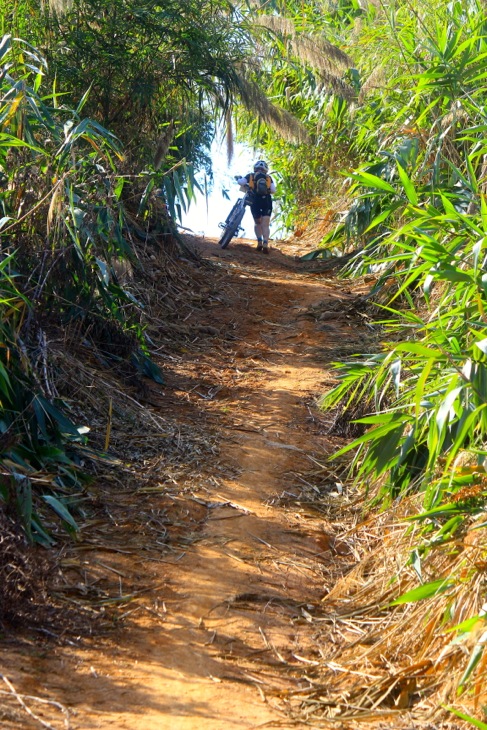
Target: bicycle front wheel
(226, 238)
(232, 227)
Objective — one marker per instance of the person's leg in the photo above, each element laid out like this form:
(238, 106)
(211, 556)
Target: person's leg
(266, 212)
(259, 234)
(265, 228)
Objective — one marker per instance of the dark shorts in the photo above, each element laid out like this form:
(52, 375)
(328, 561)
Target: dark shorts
(262, 205)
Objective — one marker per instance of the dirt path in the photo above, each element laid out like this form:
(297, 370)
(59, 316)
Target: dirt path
(220, 628)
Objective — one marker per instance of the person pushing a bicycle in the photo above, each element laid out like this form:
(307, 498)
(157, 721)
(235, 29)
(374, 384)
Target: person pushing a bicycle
(263, 187)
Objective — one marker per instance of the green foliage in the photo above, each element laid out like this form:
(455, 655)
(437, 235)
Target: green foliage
(316, 63)
(463, 716)
(417, 216)
(157, 74)
(151, 67)
(425, 591)
(62, 224)
(429, 390)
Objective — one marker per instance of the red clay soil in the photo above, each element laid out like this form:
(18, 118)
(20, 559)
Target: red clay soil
(214, 624)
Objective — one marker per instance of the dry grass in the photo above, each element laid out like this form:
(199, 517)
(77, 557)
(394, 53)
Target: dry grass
(398, 665)
(132, 448)
(312, 49)
(27, 601)
(281, 121)
(384, 666)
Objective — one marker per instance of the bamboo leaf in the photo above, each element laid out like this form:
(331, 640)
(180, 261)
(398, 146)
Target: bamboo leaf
(416, 563)
(372, 181)
(444, 413)
(39, 535)
(452, 274)
(373, 435)
(466, 626)
(64, 424)
(416, 348)
(483, 212)
(179, 191)
(474, 659)
(60, 510)
(441, 511)
(482, 345)
(5, 45)
(384, 215)
(421, 383)
(396, 374)
(23, 492)
(411, 193)
(428, 590)
(472, 720)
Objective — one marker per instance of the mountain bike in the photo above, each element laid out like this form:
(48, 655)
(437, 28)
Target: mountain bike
(232, 224)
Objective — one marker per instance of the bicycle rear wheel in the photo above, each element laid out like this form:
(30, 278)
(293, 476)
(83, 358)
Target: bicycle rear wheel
(234, 221)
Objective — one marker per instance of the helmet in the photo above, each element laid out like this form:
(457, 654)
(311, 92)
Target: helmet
(261, 165)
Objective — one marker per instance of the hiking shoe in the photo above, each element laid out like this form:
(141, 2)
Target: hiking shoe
(259, 246)
(265, 249)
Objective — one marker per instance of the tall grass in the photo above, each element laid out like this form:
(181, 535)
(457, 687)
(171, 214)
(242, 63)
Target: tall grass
(420, 213)
(62, 224)
(424, 225)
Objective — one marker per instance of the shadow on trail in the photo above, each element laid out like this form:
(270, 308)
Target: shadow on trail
(282, 255)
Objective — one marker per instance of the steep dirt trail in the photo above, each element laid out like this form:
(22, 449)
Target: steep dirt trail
(222, 629)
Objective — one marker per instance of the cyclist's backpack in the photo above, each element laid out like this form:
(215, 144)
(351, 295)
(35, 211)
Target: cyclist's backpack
(260, 183)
